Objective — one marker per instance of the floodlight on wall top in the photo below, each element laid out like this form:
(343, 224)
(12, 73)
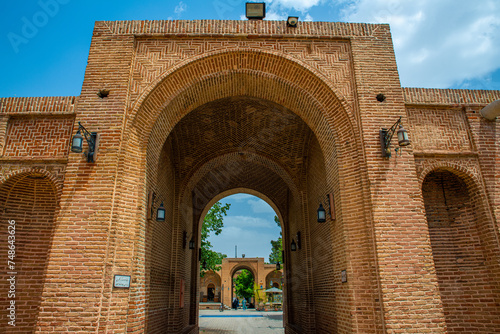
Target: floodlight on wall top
(160, 213)
(255, 10)
(90, 137)
(386, 136)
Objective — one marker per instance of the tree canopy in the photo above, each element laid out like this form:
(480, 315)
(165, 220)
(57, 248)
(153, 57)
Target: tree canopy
(276, 246)
(244, 284)
(213, 222)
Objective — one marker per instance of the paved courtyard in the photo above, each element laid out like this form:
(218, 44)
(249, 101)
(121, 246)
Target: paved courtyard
(249, 321)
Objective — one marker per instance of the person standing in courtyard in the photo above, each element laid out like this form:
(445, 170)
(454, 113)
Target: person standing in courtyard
(244, 304)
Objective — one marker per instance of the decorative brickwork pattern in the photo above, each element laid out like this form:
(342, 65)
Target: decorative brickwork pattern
(36, 105)
(439, 130)
(449, 97)
(154, 57)
(38, 137)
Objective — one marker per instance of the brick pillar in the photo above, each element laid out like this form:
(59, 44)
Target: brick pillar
(406, 270)
(95, 230)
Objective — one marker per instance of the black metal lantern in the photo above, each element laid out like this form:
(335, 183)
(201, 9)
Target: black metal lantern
(278, 265)
(77, 143)
(160, 213)
(293, 246)
(204, 265)
(191, 243)
(321, 214)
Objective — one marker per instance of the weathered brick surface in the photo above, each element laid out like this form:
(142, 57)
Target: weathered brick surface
(199, 110)
(466, 279)
(29, 199)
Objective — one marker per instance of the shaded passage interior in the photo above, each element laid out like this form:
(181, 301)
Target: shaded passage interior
(225, 146)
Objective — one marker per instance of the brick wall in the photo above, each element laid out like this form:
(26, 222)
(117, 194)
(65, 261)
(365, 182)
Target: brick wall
(38, 137)
(325, 275)
(466, 286)
(30, 199)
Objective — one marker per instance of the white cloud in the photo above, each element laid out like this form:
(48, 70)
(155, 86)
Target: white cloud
(239, 197)
(181, 7)
(437, 43)
(300, 5)
(260, 206)
(275, 16)
(308, 18)
(247, 222)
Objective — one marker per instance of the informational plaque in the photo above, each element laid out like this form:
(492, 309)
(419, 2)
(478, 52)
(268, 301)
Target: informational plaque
(122, 281)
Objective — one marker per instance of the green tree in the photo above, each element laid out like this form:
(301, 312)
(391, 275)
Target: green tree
(244, 284)
(276, 246)
(213, 222)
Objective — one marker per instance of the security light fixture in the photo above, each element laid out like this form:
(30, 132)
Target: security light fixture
(77, 142)
(321, 214)
(160, 213)
(292, 21)
(386, 136)
(293, 246)
(255, 10)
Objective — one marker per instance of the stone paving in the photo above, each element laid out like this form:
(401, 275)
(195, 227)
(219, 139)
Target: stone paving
(245, 322)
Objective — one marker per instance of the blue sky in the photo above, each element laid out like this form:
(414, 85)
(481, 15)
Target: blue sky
(249, 225)
(438, 43)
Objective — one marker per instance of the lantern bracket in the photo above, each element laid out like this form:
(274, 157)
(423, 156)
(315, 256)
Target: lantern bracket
(386, 137)
(91, 138)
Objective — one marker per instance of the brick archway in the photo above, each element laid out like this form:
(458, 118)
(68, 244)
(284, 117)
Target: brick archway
(462, 243)
(29, 199)
(300, 99)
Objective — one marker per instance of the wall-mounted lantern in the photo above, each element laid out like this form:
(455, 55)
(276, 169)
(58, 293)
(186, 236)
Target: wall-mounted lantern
(321, 214)
(77, 142)
(191, 243)
(278, 265)
(160, 213)
(293, 246)
(386, 136)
